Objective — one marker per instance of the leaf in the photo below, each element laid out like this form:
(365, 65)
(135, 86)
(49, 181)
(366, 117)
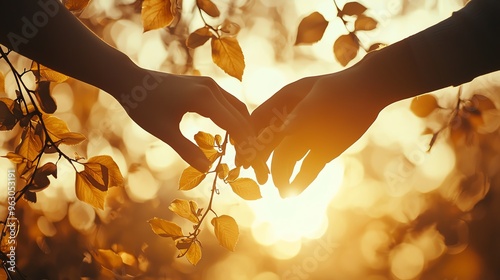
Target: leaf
(246, 188)
(76, 5)
(108, 259)
(193, 254)
(41, 180)
(423, 105)
(157, 14)
(199, 37)
(183, 208)
(227, 231)
(30, 146)
(165, 228)
(353, 9)
(7, 118)
(58, 131)
(114, 175)
(194, 208)
(72, 138)
(482, 103)
(311, 29)
(218, 140)
(365, 23)
(13, 157)
(42, 93)
(44, 73)
(227, 54)
(346, 48)
(30, 197)
(208, 7)
(204, 140)
(87, 192)
(230, 28)
(223, 171)
(376, 47)
(190, 178)
(233, 174)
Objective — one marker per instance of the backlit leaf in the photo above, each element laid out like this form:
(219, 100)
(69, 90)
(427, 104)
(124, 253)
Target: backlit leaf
(13, 157)
(190, 178)
(218, 140)
(482, 103)
(423, 105)
(246, 188)
(311, 29)
(165, 228)
(227, 231)
(345, 48)
(72, 138)
(233, 174)
(208, 7)
(115, 177)
(76, 5)
(223, 171)
(44, 73)
(87, 192)
(353, 9)
(211, 154)
(376, 47)
(204, 140)
(58, 131)
(365, 23)
(199, 37)
(182, 208)
(108, 259)
(157, 14)
(193, 254)
(227, 54)
(30, 146)
(45, 100)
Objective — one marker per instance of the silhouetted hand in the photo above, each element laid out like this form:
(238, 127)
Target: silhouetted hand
(161, 100)
(327, 114)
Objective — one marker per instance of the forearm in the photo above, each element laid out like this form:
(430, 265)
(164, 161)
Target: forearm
(45, 31)
(450, 53)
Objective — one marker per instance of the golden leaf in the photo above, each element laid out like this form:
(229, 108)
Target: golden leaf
(233, 174)
(199, 37)
(423, 105)
(108, 259)
(42, 93)
(227, 54)
(223, 171)
(227, 231)
(204, 140)
(13, 157)
(76, 5)
(115, 177)
(193, 254)
(58, 131)
(44, 73)
(72, 138)
(346, 48)
(157, 14)
(353, 9)
(87, 192)
(246, 188)
(41, 180)
(208, 7)
(183, 208)
(365, 23)
(165, 228)
(218, 140)
(30, 146)
(230, 28)
(311, 29)
(190, 178)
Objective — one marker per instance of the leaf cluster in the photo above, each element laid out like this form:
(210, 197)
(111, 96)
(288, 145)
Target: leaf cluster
(225, 227)
(312, 28)
(226, 51)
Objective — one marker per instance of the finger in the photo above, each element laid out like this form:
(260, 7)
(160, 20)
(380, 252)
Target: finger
(312, 165)
(186, 149)
(236, 103)
(285, 157)
(261, 171)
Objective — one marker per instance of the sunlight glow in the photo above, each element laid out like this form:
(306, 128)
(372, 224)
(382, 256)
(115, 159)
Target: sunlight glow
(294, 218)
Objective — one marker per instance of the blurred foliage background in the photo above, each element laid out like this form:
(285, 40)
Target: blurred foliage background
(386, 209)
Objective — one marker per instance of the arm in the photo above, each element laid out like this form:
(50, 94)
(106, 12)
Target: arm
(330, 112)
(45, 31)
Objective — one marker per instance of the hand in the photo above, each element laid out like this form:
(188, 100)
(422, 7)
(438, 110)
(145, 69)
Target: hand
(161, 100)
(327, 115)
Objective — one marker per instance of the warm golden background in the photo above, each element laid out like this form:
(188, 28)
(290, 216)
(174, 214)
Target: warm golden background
(386, 209)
